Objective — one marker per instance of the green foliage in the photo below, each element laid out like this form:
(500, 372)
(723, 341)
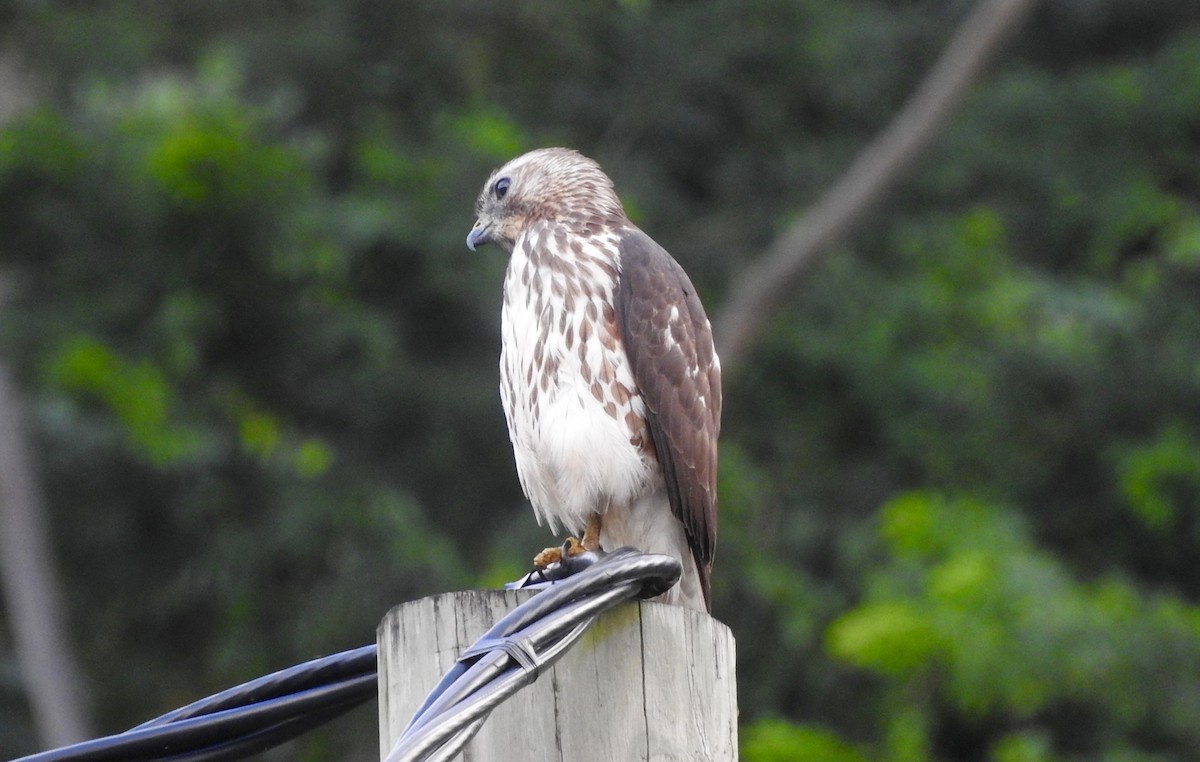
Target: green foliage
(890, 637)
(778, 741)
(959, 480)
(490, 134)
(970, 615)
(1160, 480)
(137, 394)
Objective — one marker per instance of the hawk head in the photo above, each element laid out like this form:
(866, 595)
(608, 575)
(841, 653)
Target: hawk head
(557, 185)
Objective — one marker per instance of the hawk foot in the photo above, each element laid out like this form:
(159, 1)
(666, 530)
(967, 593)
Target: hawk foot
(571, 547)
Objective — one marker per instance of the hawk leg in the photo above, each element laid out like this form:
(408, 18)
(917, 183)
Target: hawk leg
(572, 546)
(591, 533)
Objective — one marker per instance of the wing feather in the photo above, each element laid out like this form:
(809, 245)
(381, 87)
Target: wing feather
(669, 343)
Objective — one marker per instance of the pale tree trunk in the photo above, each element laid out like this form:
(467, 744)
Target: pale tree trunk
(15, 95)
(31, 588)
(28, 580)
(763, 287)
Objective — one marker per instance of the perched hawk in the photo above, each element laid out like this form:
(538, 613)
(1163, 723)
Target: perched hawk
(609, 380)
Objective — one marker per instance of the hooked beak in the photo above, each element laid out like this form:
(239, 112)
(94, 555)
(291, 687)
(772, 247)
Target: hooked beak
(479, 235)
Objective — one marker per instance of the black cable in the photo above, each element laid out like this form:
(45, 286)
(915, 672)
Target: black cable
(192, 735)
(447, 726)
(524, 642)
(269, 710)
(265, 739)
(310, 674)
(655, 573)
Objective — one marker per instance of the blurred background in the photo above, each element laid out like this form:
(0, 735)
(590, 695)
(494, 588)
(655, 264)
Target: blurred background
(257, 366)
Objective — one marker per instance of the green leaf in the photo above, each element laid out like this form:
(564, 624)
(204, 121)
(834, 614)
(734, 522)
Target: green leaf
(138, 394)
(771, 740)
(891, 637)
(1161, 478)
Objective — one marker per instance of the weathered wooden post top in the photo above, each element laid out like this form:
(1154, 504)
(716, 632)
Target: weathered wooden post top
(647, 681)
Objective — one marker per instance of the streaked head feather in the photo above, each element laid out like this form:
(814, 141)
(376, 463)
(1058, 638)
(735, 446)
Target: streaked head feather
(557, 185)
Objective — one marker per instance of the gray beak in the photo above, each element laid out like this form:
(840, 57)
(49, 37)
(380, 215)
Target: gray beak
(478, 236)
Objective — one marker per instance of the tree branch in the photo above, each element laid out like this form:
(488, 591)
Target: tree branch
(765, 285)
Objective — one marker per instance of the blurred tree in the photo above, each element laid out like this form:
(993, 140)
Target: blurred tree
(758, 293)
(32, 590)
(970, 622)
(262, 365)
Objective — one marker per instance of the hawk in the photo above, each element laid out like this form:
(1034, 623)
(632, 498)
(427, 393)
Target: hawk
(608, 376)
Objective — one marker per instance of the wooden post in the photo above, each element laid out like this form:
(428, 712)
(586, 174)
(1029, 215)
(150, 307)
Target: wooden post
(648, 681)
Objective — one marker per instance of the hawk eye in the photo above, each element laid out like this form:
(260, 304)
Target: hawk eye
(501, 187)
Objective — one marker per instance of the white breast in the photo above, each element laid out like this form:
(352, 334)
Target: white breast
(567, 388)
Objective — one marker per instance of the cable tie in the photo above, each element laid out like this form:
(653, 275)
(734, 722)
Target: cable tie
(521, 650)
